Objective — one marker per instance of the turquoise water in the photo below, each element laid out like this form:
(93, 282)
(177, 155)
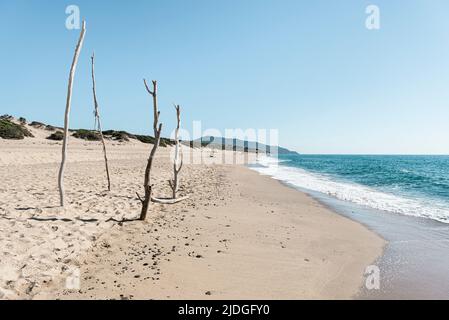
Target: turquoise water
(404, 199)
(408, 185)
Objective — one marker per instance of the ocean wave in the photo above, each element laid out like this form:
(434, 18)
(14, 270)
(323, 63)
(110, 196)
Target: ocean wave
(353, 192)
(267, 161)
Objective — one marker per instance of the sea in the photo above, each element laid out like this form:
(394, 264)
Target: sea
(404, 199)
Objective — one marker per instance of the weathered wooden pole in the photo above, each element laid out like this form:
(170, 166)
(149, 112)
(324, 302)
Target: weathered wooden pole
(177, 164)
(98, 121)
(67, 113)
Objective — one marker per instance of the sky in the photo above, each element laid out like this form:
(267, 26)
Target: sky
(310, 69)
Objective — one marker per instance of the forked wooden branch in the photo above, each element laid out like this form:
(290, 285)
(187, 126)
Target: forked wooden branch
(153, 93)
(157, 135)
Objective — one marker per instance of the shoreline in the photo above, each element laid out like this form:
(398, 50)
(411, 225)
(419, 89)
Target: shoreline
(412, 257)
(310, 253)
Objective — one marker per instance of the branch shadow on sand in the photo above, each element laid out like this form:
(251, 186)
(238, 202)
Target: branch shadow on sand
(34, 208)
(63, 219)
(116, 196)
(85, 220)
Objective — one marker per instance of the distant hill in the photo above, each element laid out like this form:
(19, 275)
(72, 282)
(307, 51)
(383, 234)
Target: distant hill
(237, 145)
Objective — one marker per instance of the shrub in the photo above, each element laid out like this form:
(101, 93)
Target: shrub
(11, 130)
(145, 139)
(22, 120)
(119, 135)
(50, 128)
(87, 135)
(168, 142)
(149, 139)
(6, 117)
(37, 124)
(56, 136)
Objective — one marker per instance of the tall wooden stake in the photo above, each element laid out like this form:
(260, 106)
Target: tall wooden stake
(67, 113)
(177, 164)
(98, 121)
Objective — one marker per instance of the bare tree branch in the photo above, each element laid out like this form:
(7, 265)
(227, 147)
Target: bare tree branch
(153, 93)
(148, 88)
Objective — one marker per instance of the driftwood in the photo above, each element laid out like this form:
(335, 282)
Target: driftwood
(67, 113)
(157, 135)
(98, 121)
(169, 201)
(177, 166)
(153, 93)
(177, 163)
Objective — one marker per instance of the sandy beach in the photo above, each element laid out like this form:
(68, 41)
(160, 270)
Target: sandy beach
(222, 151)
(240, 235)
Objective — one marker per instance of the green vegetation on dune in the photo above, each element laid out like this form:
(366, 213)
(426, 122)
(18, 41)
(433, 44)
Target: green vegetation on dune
(167, 142)
(119, 135)
(40, 125)
(56, 136)
(6, 117)
(149, 139)
(11, 130)
(87, 135)
(37, 124)
(126, 136)
(145, 139)
(51, 128)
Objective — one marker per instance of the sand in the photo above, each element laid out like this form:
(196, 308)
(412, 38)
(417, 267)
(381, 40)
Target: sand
(239, 235)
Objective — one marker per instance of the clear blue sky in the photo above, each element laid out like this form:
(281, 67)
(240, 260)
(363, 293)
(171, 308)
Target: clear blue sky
(308, 68)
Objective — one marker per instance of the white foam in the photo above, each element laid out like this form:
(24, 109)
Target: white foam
(353, 192)
(269, 161)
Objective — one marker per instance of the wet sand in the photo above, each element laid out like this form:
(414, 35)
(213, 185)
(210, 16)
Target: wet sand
(414, 264)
